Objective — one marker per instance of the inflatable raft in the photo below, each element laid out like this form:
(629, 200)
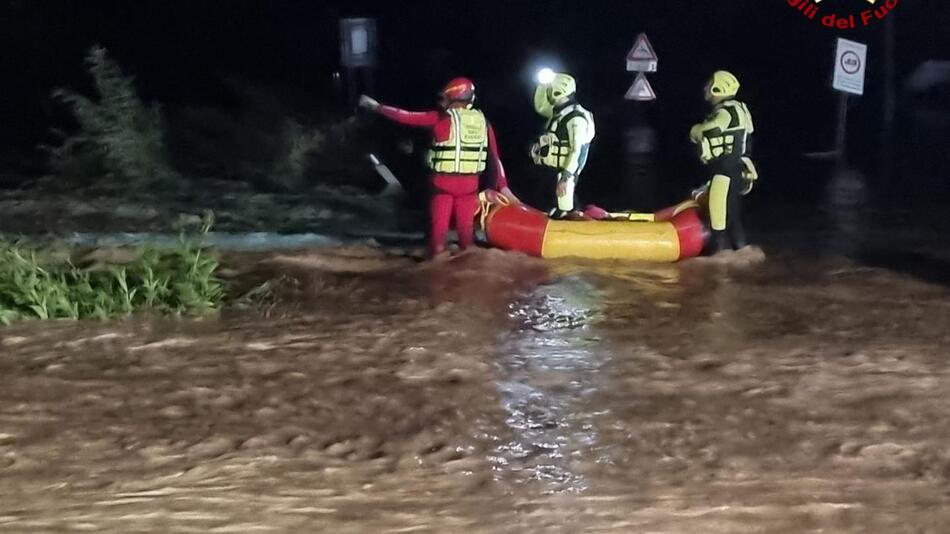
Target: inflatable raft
(670, 235)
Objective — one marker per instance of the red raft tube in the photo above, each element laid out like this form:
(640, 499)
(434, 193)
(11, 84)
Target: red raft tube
(670, 235)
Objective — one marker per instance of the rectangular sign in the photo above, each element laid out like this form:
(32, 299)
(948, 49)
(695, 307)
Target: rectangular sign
(358, 42)
(850, 66)
(642, 65)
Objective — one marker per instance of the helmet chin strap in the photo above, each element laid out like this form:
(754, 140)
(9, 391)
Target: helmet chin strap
(563, 102)
(453, 104)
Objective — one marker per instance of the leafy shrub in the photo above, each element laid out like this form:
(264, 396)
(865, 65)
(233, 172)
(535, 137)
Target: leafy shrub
(122, 141)
(119, 136)
(35, 284)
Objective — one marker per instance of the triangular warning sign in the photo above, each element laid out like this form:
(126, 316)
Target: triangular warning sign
(642, 50)
(642, 57)
(641, 90)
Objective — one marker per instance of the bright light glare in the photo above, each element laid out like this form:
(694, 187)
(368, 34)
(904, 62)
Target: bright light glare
(545, 76)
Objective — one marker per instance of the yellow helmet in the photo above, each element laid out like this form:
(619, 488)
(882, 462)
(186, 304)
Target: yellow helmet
(562, 86)
(723, 84)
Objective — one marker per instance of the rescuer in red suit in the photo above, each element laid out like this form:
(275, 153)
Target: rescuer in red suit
(463, 142)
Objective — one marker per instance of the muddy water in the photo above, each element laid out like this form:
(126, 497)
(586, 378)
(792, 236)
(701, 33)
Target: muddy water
(494, 393)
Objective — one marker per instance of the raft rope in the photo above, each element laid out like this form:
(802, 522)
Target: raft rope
(485, 204)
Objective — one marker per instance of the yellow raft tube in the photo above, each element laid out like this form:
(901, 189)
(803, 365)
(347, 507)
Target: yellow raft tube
(666, 236)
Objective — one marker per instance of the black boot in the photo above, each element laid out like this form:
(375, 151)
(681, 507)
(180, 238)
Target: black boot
(737, 233)
(718, 242)
(739, 240)
(558, 214)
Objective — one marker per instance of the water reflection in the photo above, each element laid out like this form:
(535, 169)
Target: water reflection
(846, 196)
(548, 369)
(567, 367)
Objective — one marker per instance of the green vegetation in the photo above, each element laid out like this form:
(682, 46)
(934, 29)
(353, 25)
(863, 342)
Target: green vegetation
(37, 283)
(119, 136)
(119, 142)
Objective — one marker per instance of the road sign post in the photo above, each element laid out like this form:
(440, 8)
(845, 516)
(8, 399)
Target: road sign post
(640, 137)
(849, 75)
(842, 132)
(641, 58)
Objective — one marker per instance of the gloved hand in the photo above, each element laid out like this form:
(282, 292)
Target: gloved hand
(750, 174)
(507, 193)
(696, 133)
(368, 103)
(747, 186)
(699, 191)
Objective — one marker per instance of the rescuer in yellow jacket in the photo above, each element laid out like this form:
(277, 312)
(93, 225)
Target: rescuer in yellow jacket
(565, 143)
(723, 141)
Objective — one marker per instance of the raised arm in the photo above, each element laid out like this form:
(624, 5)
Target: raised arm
(424, 119)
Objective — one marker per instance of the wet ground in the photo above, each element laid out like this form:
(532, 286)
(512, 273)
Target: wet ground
(495, 393)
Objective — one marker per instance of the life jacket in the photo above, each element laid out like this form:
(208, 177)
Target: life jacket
(720, 138)
(466, 149)
(553, 148)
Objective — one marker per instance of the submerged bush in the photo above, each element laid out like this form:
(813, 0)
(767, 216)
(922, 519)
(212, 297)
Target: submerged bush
(292, 164)
(260, 140)
(36, 284)
(254, 138)
(119, 136)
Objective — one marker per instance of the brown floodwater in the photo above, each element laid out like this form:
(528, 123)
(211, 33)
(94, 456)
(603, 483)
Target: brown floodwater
(494, 393)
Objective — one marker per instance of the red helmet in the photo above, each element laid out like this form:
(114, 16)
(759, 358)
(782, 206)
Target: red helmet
(459, 90)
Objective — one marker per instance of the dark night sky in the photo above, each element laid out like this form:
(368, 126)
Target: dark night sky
(180, 50)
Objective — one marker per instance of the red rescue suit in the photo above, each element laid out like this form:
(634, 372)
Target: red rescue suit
(453, 195)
